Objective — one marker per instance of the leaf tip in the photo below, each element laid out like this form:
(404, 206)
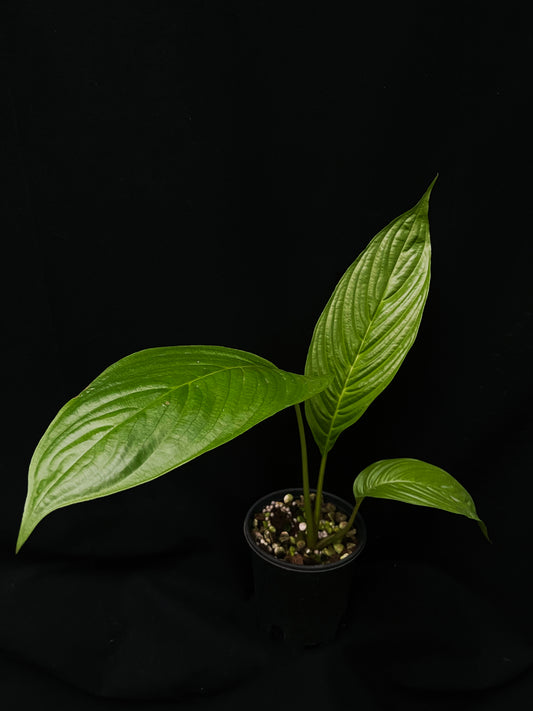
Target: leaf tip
(424, 200)
(20, 541)
(484, 530)
(25, 530)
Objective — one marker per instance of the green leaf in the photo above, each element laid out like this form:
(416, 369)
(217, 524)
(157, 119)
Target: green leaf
(149, 413)
(370, 323)
(416, 482)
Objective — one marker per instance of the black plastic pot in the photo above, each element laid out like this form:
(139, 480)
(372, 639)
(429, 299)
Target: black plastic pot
(302, 604)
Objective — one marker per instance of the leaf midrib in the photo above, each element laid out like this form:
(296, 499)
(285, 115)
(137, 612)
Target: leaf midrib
(136, 413)
(363, 342)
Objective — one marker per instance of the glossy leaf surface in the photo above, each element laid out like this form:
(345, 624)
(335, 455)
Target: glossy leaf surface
(149, 413)
(416, 482)
(370, 323)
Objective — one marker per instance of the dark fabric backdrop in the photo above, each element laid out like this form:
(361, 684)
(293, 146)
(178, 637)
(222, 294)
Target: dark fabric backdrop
(204, 172)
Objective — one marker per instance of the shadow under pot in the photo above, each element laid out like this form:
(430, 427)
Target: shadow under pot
(302, 604)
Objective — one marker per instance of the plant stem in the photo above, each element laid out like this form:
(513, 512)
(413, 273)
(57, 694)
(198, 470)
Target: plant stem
(339, 535)
(319, 486)
(311, 528)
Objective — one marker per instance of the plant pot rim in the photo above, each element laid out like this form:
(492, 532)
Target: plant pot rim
(345, 506)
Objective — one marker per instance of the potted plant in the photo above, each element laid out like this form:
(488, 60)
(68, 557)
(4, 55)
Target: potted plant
(159, 408)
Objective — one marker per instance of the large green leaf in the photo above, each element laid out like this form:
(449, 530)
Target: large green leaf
(149, 413)
(370, 323)
(416, 482)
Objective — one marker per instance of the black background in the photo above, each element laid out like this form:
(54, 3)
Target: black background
(204, 172)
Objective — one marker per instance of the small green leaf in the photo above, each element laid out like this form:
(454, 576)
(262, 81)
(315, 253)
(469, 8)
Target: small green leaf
(370, 323)
(149, 413)
(416, 482)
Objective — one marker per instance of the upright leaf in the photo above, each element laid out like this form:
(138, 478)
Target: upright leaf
(370, 323)
(416, 482)
(149, 413)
